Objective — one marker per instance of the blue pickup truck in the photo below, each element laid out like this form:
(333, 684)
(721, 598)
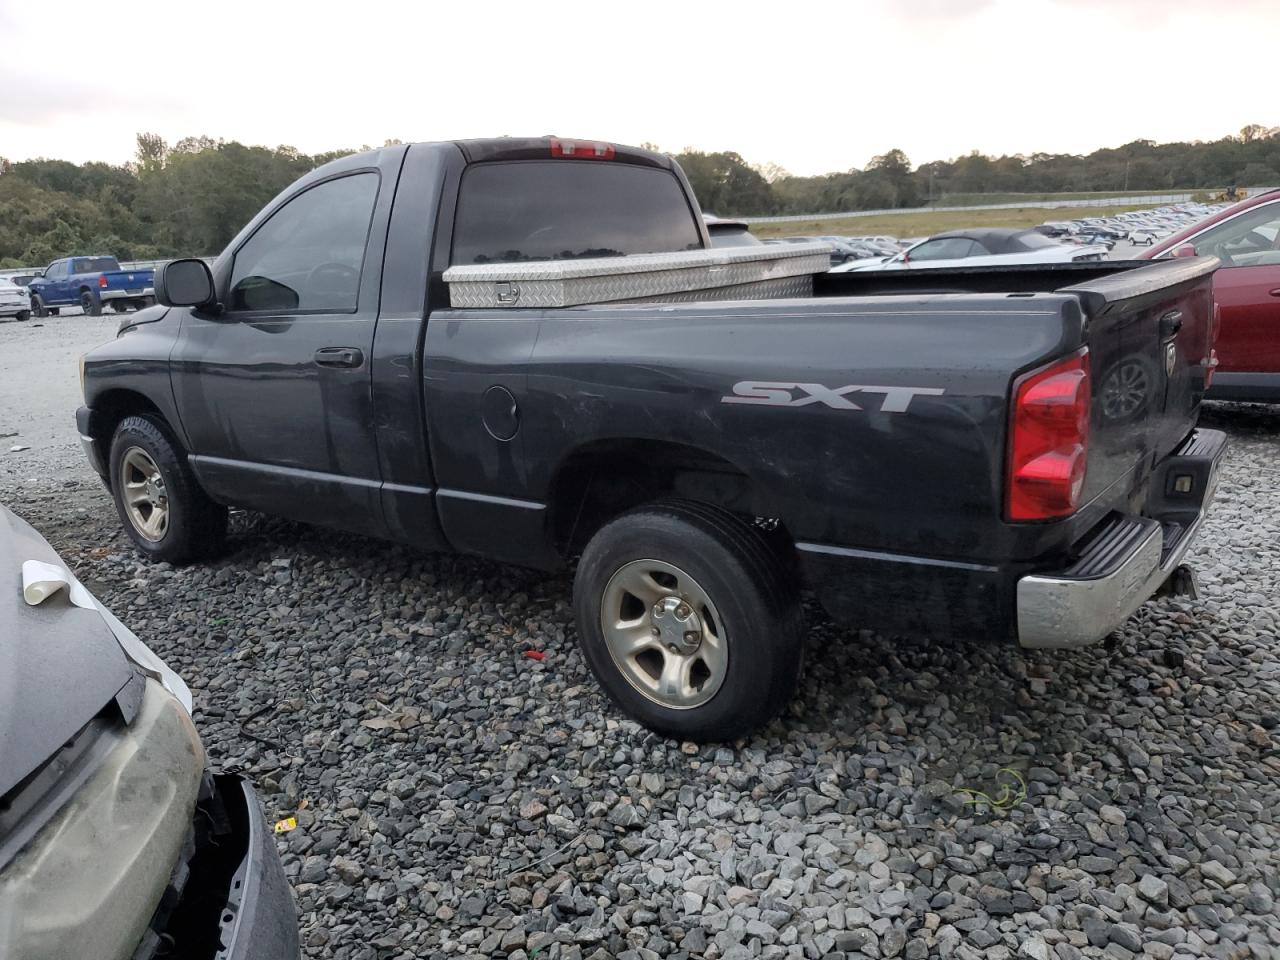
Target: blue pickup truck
(88, 283)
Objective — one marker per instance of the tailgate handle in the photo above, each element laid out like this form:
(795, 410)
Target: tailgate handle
(1170, 324)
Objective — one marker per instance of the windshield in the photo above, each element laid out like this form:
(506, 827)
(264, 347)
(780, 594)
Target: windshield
(1251, 238)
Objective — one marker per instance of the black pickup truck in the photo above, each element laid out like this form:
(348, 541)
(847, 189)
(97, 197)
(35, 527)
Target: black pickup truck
(1004, 451)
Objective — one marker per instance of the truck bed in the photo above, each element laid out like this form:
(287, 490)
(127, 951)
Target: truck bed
(765, 384)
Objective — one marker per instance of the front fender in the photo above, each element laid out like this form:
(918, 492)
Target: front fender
(131, 374)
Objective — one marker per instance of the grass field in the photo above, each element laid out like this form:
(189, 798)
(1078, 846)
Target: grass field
(922, 223)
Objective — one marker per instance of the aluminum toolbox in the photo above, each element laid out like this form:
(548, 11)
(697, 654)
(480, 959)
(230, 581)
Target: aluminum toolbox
(768, 270)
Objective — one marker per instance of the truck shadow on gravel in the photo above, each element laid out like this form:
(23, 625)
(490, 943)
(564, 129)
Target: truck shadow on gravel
(1258, 419)
(954, 711)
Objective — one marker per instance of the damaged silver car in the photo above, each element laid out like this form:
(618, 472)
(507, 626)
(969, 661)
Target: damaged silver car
(116, 841)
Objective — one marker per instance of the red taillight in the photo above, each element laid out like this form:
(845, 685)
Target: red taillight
(1048, 440)
(102, 279)
(582, 150)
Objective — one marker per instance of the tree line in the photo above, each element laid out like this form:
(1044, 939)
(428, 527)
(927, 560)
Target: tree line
(729, 186)
(192, 197)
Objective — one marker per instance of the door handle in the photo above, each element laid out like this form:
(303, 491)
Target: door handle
(1276, 292)
(339, 357)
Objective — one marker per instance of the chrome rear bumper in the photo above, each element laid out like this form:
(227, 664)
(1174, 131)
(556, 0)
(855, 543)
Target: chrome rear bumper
(1129, 561)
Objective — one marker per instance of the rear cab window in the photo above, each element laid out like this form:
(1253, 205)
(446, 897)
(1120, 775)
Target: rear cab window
(526, 210)
(95, 265)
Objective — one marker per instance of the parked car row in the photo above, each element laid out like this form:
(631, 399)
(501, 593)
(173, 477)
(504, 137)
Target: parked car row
(1140, 227)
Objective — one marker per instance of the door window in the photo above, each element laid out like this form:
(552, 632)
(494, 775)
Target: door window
(1251, 239)
(309, 254)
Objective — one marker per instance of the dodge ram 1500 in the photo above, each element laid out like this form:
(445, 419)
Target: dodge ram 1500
(1011, 451)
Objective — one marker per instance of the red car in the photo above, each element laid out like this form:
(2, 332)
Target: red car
(1246, 238)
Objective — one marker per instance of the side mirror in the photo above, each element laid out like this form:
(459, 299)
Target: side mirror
(1184, 250)
(184, 283)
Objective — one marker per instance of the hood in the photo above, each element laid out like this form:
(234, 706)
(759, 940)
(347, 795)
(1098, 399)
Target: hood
(59, 664)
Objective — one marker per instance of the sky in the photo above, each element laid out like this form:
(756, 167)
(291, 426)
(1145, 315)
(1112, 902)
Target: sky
(814, 87)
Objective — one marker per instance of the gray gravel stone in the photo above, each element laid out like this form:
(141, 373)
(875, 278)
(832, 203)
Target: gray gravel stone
(1217, 873)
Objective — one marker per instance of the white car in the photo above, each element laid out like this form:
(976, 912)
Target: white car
(1145, 237)
(13, 300)
(988, 247)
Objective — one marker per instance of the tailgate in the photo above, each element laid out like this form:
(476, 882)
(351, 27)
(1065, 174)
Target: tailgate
(134, 281)
(1149, 334)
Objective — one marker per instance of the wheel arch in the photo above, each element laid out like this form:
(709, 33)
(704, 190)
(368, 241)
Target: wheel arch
(113, 406)
(602, 479)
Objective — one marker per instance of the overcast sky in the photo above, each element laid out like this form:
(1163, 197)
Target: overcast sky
(813, 87)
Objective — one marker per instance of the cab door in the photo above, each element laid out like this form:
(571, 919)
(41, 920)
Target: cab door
(54, 290)
(274, 392)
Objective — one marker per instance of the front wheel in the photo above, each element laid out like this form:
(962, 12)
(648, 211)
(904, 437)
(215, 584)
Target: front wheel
(23, 315)
(689, 620)
(37, 306)
(159, 500)
(90, 304)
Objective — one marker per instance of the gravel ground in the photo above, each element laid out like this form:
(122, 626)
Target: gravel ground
(455, 797)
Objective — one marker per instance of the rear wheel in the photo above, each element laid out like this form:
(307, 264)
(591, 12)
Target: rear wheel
(120, 306)
(90, 304)
(159, 500)
(23, 315)
(689, 620)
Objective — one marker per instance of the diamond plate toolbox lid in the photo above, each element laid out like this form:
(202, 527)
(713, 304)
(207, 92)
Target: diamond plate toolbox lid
(649, 276)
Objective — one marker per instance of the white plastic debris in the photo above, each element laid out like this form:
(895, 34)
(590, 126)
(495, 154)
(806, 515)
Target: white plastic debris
(41, 580)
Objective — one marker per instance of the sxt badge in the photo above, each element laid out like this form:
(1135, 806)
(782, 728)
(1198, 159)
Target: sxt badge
(777, 394)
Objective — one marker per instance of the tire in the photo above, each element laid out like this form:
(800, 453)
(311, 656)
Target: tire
(120, 306)
(53, 311)
(38, 307)
(738, 665)
(90, 304)
(22, 315)
(192, 525)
